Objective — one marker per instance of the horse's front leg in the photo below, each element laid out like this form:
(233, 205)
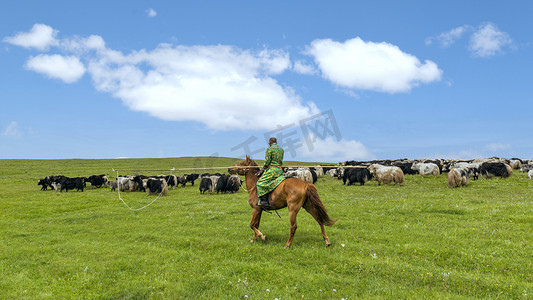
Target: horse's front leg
(254, 224)
(293, 212)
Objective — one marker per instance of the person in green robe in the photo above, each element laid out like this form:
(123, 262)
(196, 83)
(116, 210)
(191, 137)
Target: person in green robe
(273, 174)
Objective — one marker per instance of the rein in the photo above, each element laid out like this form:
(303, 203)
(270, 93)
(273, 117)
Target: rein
(242, 186)
(136, 209)
(248, 169)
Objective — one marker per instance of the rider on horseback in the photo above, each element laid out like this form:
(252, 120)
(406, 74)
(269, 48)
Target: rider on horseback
(273, 174)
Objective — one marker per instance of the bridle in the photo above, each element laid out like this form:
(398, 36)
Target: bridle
(245, 169)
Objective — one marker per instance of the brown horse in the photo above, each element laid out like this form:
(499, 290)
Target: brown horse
(292, 193)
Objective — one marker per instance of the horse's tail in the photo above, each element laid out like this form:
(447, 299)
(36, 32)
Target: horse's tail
(314, 206)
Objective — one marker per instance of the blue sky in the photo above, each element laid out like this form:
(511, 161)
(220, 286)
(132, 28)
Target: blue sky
(333, 80)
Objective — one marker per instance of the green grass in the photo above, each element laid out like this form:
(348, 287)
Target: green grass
(421, 240)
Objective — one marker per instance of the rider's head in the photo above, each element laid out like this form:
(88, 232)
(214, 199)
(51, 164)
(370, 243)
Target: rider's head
(272, 140)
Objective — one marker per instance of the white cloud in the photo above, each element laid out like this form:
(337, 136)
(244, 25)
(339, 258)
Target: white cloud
(329, 149)
(497, 147)
(220, 86)
(350, 93)
(95, 42)
(223, 87)
(80, 46)
(41, 37)
(274, 62)
(488, 40)
(151, 13)
(302, 67)
(12, 130)
(67, 68)
(364, 65)
(448, 38)
(462, 154)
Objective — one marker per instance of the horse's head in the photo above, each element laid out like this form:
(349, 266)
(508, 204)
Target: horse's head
(241, 168)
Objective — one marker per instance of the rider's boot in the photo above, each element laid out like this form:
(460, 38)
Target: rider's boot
(263, 202)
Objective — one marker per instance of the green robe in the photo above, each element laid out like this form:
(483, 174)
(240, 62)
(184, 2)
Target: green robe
(273, 174)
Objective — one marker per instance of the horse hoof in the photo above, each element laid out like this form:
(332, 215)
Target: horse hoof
(264, 238)
(328, 243)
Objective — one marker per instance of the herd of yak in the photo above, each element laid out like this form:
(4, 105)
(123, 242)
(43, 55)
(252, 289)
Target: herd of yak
(459, 171)
(350, 172)
(159, 184)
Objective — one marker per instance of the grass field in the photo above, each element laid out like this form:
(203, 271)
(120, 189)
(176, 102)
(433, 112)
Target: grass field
(421, 240)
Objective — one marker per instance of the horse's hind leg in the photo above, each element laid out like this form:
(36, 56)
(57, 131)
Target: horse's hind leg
(254, 224)
(326, 239)
(312, 211)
